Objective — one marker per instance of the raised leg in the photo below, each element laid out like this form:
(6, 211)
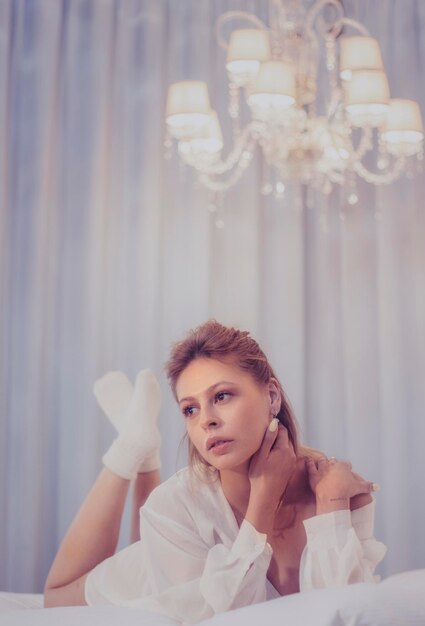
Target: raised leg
(143, 485)
(91, 538)
(93, 535)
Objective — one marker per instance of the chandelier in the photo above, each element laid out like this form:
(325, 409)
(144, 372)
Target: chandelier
(351, 129)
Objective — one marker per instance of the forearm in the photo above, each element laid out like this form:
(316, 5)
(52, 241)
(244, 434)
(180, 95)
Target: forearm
(261, 515)
(91, 538)
(359, 501)
(143, 485)
(329, 503)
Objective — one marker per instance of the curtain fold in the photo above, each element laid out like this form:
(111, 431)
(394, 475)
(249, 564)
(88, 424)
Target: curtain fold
(109, 252)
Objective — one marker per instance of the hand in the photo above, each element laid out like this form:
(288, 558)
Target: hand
(356, 502)
(334, 483)
(269, 472)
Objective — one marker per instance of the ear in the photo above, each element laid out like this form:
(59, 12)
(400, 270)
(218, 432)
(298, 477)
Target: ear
(274, 396)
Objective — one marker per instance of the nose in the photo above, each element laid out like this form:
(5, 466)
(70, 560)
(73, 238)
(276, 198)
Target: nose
(209, 419)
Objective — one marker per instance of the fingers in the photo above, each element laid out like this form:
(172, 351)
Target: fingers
(367, 485)
(282, 438)
(322, 463)
(311, 466)
(332, 460)
(340, 475)
(372, 486)
(269, 438)
(275, 440)
(282, 441)
(283, 449)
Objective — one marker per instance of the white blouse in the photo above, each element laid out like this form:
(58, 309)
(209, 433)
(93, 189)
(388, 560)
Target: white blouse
(194, 561)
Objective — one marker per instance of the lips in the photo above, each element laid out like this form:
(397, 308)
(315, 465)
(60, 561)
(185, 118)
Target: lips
(212, 442)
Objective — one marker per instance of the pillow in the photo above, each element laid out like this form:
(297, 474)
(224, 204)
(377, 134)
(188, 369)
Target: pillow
(312, 608)
(396, 601)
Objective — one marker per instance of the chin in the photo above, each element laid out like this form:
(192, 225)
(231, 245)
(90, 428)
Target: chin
(231, 462)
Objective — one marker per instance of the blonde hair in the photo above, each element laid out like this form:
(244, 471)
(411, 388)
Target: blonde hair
(214, 341)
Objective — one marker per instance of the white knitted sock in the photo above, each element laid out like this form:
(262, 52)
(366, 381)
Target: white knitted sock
(133, 412)
(113, 394)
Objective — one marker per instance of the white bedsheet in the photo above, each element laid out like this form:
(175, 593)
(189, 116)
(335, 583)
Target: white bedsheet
(396, 601)
(84, 616)
(9, 601)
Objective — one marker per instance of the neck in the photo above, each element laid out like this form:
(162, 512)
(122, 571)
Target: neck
(236, 488)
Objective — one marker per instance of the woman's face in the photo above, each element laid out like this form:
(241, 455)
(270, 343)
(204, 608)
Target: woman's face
(226, 411)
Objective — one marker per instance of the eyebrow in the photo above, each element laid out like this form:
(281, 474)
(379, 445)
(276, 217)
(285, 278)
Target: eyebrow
(221, 382)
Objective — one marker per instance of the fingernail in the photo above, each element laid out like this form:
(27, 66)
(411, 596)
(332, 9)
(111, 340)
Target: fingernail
(273, 425)
(376, 486)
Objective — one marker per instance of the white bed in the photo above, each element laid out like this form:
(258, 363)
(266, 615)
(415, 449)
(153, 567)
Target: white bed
(397, 601)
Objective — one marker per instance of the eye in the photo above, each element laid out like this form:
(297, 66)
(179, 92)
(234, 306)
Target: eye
(189, 410)
(222, 395)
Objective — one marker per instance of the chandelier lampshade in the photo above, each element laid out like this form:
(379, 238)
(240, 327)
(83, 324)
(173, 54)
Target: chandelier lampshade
(188, 106)
(403, 130)
(273, 86)
(367, 96)
(359, 53)
(208, 142)
(248, 47)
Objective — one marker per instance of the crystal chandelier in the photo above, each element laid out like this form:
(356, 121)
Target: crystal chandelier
(273, 73)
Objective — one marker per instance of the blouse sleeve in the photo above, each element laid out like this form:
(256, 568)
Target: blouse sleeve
(340, 549)
(174, 572)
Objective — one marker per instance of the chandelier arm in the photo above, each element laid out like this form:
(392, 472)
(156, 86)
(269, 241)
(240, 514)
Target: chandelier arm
(334, 105)
(380, 179)
(223, 166)
(364, 145)
(315, 11)
(215, 185)
(225, 183)
(347, 21)
(235, 15)
(336, 177)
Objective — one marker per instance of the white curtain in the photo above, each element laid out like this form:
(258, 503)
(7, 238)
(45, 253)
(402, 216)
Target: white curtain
(108, 253)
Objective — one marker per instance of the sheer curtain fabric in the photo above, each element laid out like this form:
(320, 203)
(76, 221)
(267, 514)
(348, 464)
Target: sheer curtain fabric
(108, 253)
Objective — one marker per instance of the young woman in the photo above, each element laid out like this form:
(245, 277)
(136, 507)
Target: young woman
(253, 517)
